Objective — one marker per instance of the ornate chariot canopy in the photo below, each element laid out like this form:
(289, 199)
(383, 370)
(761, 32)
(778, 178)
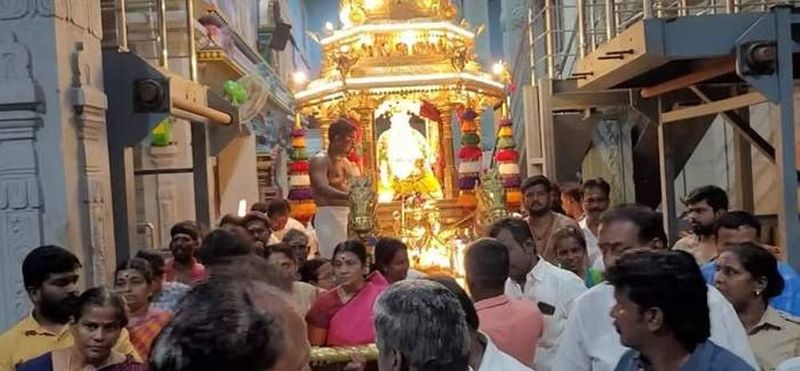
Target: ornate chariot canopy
(398, 49)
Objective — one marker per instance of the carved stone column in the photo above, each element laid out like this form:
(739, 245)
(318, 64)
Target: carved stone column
(20, 205)
(90, 106)
(165, 191)
(446, 122)
(20, 202)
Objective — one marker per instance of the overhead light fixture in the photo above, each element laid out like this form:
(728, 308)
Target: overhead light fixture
(299, 78)
(372, 4)
(498, 68)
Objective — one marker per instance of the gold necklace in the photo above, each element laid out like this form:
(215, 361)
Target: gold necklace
(546, 231)
(344, 296)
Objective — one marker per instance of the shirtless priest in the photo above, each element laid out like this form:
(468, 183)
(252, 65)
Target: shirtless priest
(330, 175)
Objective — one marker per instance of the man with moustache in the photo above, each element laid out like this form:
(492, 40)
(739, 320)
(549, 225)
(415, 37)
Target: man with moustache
(260, 228)
(596, 199)
(50, 275)
(542, 220)
(705, 205)
(184, 267)
(589, 342)
(736, 227)
(661, 312)
(551, 288)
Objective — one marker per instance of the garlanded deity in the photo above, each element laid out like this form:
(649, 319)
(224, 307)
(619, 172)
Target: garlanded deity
(405, 161)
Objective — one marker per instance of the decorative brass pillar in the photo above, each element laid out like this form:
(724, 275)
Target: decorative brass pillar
(369, 157)
(324, 124)
(446, 144)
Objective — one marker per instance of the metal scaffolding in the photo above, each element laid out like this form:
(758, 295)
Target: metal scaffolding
(679, 63)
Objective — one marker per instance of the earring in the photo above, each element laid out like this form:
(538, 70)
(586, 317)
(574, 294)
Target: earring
(758, 292)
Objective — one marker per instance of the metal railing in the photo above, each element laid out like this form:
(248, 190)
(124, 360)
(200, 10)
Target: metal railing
(156, 30)
(553, 30)
(559, 32)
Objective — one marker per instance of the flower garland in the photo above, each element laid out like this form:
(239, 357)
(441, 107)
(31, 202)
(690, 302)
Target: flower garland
(507, 159)
(302, 201)
(471, 156)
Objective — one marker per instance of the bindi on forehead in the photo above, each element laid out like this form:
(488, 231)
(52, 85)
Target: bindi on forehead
(346, 257)
(129, 274)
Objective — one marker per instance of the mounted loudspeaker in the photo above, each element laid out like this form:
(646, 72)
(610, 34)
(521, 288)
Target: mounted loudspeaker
(280, 36)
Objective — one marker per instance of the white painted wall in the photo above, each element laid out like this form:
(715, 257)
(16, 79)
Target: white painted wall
(237, 175)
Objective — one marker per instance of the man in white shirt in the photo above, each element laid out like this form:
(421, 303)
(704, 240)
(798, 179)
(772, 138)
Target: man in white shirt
(595, 200)
(495, 360)
(551, 288)
(278, 212)
(590, 342)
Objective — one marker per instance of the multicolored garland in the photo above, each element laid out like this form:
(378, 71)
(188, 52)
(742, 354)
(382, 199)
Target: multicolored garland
(471, 156)
(507, 159)
(302, 201)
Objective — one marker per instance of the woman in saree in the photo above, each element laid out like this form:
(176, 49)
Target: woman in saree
(134, 281)
(97, 324)
(343, 316)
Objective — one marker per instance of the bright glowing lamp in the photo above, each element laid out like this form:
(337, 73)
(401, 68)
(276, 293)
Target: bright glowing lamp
(299, 78)
(242, 208)
(408, 38)
(372, 4)
(498, 68)
(367, 39)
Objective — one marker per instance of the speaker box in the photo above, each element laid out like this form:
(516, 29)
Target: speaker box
(280, 36)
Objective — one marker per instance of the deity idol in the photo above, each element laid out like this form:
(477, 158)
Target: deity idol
(404, 160)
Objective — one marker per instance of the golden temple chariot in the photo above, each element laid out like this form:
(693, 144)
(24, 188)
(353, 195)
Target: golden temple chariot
(400, 69)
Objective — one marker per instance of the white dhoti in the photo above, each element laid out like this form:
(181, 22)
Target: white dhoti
(331, 226)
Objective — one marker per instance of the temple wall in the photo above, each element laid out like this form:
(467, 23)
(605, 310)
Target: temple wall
(54, 170)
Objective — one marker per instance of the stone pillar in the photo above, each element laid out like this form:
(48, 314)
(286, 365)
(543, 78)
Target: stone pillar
(89, 103)
(446, 136)
(54, 177)
(20, 203)
(164, 213)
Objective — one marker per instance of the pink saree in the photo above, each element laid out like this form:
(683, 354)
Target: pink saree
(348, 323)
